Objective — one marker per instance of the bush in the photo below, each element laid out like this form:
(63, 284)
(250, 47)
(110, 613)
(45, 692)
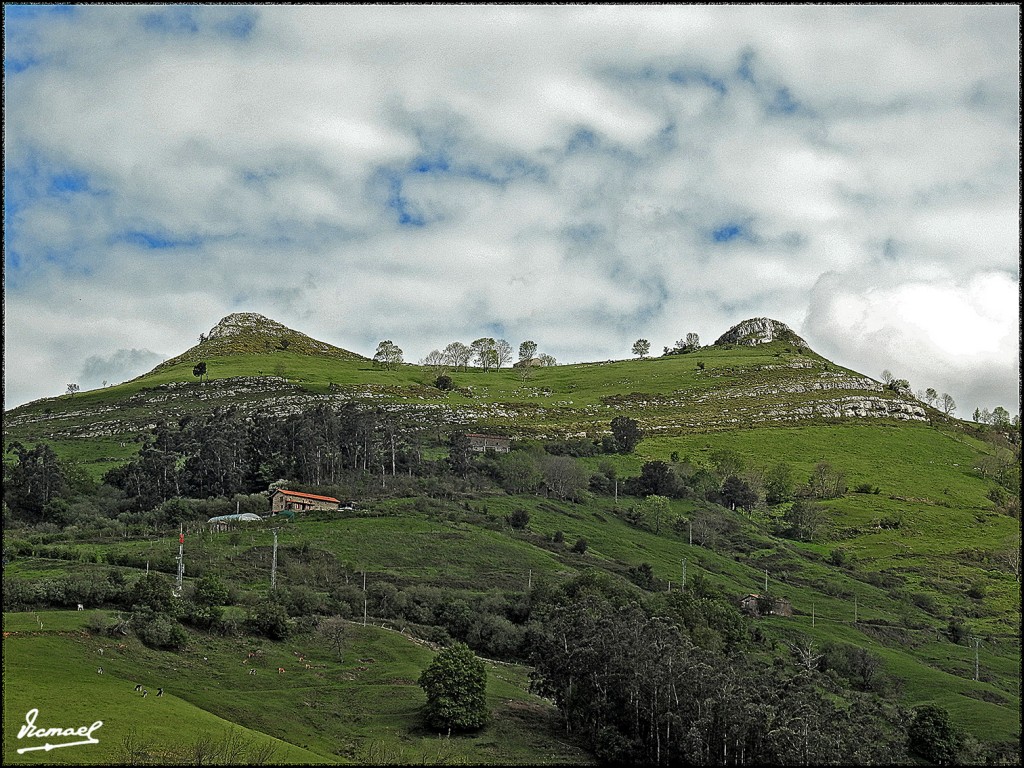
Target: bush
(271, 620)
(455, 684)
(157, 630)
(580, 547)
(444, 383)
(519, 519)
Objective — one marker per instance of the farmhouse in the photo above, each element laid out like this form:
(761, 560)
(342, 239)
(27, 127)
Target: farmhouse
(281, 500)
(752, 605)
(481, 443)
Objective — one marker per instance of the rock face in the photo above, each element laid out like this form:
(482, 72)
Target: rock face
(244, 323)
(760, 330)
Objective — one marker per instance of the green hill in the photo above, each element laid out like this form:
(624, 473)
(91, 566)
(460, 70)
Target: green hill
(914, 563)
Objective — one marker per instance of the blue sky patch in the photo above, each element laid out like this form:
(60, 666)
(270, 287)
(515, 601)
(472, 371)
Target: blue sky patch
(729, 231)
(156, 241)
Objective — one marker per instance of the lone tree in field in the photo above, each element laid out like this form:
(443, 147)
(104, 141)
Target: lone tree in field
(641, 348)
(199, 371)
(456, 685)
(388, 355)
(626, 433)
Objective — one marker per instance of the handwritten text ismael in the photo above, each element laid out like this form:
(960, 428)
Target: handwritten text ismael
(29, 731)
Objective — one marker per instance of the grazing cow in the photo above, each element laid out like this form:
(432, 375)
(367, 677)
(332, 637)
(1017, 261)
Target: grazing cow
(138, 687)
(280, 670)
(252, 671)
(159, 691)
(145, 694)
(99, 671)
(81, 607)
(101, 651)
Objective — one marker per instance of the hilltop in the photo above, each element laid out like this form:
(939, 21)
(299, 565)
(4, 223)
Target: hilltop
(247, 333)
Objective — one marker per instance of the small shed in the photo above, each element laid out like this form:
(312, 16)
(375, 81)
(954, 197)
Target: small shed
(281, 500)
(481, 443)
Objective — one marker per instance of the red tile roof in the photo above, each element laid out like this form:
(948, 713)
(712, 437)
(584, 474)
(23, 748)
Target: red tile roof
(307, 495)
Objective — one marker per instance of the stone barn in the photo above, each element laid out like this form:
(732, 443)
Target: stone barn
(481, 443)
(280, 500)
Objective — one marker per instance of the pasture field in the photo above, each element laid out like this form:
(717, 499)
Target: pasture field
(362, 707)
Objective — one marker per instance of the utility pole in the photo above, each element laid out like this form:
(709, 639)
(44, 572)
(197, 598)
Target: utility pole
(684, 574)
(273, 564)
(689, 525)
(180, 558)
(766, 581)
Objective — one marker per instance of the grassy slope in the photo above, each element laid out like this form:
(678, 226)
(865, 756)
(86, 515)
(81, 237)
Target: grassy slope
(925, 474)
(362, 709)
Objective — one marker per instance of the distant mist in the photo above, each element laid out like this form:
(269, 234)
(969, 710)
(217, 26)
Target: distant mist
(124, 364)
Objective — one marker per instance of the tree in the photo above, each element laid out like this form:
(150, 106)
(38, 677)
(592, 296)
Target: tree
(641, 348)
(435, 361)
(580, 547)
(518, 472)
(653, 511)
(692, 341)
(931, 396)
(626, 432)
(457, 355)
(933, 737)
(805, 517)
(564, 477)
(444, 383)
(455, 683)
(210, 591)
(388, 355)
(778, 483)
(826, 482)
(546, 361)
(502, 353)
(199, 370)
(72, 389)
(1000, 417)
(947, 404)
(737, 493)
(527, 351)
(458, 453)
(34, 481)
(484, 352)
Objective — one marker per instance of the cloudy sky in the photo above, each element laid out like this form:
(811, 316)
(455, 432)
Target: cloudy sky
(581, 176)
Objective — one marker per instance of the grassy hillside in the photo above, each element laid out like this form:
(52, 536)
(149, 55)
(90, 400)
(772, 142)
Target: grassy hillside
(362, 708)
(910, 564)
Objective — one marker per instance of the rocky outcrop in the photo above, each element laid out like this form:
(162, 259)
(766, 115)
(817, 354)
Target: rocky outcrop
(760, 330)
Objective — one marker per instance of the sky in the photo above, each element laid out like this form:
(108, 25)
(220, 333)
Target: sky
(580, 176)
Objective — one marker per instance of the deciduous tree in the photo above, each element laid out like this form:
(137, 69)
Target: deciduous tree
(641, 348)
(456, 685)
(388, 355)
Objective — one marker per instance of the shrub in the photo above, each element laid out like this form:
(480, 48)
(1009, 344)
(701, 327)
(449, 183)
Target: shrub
(519, 519)
(580, 547)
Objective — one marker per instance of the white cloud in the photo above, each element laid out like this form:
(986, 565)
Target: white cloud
(422, 173)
